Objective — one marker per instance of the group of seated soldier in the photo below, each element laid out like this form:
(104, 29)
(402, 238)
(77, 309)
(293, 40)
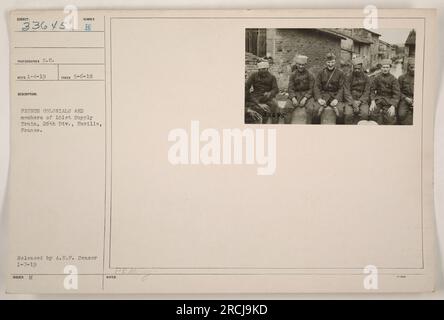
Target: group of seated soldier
(331, 97)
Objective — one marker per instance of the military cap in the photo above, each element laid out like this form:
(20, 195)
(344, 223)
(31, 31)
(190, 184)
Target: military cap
(263, 65)
(301, 59)
(386, 61)
(330, 56)
(357, 60)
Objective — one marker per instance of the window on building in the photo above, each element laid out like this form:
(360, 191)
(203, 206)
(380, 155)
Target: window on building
(256, 42)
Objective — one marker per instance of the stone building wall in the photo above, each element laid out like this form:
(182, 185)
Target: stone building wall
(284, 44)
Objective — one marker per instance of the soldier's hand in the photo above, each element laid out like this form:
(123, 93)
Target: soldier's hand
(391, 111)
(264, 107)
(321, 102)
(372, 106)
(303, 101)
(334, 103)
(409, 100)
(267, 95)
(294, 101)
(335, 109)
(321, 109)
(254, 115)
(355, 105)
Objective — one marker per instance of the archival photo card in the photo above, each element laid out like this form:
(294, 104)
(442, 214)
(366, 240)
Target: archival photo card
(171, 152)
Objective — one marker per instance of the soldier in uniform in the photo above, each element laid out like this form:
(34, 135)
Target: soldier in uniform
(384, 95)
(406, 85)
(357, 91)
(329, 92)
(260, 90)
(300, 90)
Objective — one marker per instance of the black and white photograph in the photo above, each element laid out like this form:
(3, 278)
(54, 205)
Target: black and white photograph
(329, 76)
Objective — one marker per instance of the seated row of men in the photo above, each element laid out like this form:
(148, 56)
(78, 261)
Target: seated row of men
(332, 97)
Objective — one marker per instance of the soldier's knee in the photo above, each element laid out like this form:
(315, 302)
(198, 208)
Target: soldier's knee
(348, 110)
(402, 110)
(289, 104)
(408, 120)
(299, 116)
(328, 116)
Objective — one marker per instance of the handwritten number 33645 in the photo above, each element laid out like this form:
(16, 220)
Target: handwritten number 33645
(42, 25)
